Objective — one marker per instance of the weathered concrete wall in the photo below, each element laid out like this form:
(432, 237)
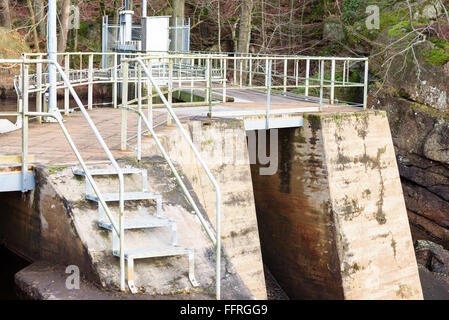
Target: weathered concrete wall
(222, 144)
(39, 226)
(333, 221)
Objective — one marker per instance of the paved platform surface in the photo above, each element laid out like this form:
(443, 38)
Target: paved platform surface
(49, 146)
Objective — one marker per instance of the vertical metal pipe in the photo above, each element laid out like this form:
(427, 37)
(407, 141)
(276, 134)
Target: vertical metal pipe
(321, 83)
(150, 95)
(307, 77)
(52, 49)
(125, 104)
(39, 92)
(144, 8)
(225, 67)
(250, 72)
(332, 82)
(270, 65)
(25, 82)
(66, 90)
(114, 81)
(139, 106)
(365, 85)
(170, 88)
(90, 80)
(209, 86)
(285, 75)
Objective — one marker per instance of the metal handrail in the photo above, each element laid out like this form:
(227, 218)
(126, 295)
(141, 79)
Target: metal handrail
(215, 240)
(120, 229)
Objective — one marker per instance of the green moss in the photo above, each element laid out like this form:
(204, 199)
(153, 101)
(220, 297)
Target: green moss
(436, 57)
(54, 169)
(430, 111)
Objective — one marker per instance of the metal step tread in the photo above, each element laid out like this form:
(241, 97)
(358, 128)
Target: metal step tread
(160, 251)
(141, 223)
(126, 196)
(104, 172)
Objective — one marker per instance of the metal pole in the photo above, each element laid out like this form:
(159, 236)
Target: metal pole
(170, 88)
(332, 82)
(144, 8)
(114, 82)
(139, 106)
(268, 94)
(285, 75)
(52, 49)
(225, 67)
(90, 85)
(307, 77)
(124, 103)
(321, 84)
(24, 125)
(150, 96)
(66, 90)
(39, 92)
(209, 86)
(365, 86)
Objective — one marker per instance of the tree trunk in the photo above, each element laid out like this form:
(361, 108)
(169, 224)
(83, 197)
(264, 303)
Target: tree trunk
(5, 17)
(39, 9)
(33, 21)
(246, 8)
(178, 15)
(62, 40)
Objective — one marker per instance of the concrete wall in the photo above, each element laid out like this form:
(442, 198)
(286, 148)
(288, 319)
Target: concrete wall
(332, 220)
(222, 144)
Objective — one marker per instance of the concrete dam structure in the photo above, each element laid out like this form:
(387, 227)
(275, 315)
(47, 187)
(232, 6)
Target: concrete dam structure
(204, 171)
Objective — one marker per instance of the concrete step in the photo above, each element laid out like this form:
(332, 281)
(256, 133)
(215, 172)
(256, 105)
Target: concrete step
(108, 197)
(106, 172)
(161, 251)
(141, 223)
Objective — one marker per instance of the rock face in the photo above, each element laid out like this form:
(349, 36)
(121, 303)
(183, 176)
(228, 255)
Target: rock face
(421, 139)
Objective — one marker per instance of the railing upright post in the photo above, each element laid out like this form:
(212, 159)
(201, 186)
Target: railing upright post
(209, 85)
(139, 106)
(296, 72)
(150, 95)
(225, 67)
(241, 73)
(332, 99)
(235, 68)
(90, 80)
(365, 85)
(306, 93)
(285, 75)
(269, 74)
(39, 92)
(66, 90)
(114, 81)
(321, 83)
(25, 86)
(170, 88)
(124, 128)
(250, 72)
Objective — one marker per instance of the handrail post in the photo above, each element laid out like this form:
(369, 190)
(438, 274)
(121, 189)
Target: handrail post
(321, 83)
(90, 85)
(209, 85)
(39, 92)
(332, 99)
(241, 72)
(250, 72)
(66, 90)
(306, 92)
(225, 67)
(285, 75)
(365, 85)
(150, 95)
(114, 81)
(139, 106)
(270, 65)
(170, 88)
(25, 84)
(123, 146)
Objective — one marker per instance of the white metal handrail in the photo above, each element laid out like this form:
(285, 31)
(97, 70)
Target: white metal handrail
(217, 239)
(25, 114)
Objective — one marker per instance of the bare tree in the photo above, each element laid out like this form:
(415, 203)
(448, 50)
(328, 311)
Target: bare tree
(34, 25)
(65, 13)
(246, 8)
(5, 17)
(39, 9)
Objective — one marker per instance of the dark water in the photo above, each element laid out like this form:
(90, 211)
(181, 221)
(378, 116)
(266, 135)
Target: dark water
(10, 264)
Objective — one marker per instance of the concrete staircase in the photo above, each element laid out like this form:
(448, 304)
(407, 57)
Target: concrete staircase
(138, 220)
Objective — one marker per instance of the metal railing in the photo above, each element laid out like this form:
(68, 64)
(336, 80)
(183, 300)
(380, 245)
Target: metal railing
(25, 114)
(216, 240)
